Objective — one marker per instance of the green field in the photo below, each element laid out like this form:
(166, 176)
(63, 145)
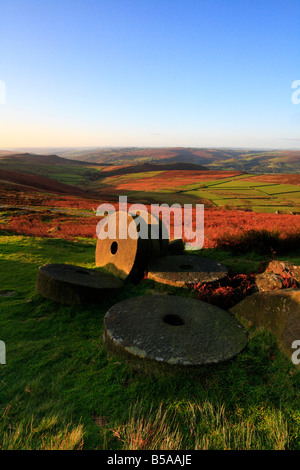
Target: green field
(59, 389)
(261, 198)
(224, 192)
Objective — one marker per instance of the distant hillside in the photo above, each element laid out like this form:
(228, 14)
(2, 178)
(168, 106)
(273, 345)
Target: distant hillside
(145, 167)
(80, 166)
(34, 158)
(254, 161)
(63, 170)
(6, 152)
(127, 156)
(26, 182)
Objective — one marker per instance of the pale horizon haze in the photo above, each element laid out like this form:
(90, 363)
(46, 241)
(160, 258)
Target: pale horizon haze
(156, 73)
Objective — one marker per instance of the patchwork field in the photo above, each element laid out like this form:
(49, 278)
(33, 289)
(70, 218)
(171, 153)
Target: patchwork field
(229, 190)
(181, 183)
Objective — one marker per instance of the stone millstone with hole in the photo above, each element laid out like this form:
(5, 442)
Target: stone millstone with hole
(68, 284)
(171, 335)
(185, 270)
(157, 232)
(124, 253)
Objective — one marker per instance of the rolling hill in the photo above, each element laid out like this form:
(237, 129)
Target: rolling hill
(254, 161)
(145, 167)
(27, 182)
(164, 179)
(32, 158)
(246, 160)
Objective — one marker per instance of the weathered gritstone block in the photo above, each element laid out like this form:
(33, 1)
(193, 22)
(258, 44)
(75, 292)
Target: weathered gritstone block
(278, 311)
(127, 254)
(68, 284)
(171, 334)
(184, 270)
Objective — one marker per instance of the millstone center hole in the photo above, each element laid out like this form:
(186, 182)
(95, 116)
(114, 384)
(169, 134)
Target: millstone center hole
(114, 248)
(173, 320)
(81, 271)
(186, 267)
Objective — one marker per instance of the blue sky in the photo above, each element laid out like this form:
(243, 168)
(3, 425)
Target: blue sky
(210, 73)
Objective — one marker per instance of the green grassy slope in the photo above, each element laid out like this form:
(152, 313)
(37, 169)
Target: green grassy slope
(68, 174)
(59, 389)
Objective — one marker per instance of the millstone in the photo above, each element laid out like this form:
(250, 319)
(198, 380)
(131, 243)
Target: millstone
(171, 334)
(125, 255)
(158, 233)
(176, 247)
(68, 284)
(184, 270)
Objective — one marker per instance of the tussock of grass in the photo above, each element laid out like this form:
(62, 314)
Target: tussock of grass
(44, 434)
(207, 427)
(153, 432)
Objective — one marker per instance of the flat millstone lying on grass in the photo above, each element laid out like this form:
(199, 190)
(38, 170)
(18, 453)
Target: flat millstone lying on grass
(184, 270)
(171, 334)
(68, 284)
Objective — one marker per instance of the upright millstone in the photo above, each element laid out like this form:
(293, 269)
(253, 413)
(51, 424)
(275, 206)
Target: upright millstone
(124, 245)
(176, 247)
(157, 231)
(171, 334)
(185, 270)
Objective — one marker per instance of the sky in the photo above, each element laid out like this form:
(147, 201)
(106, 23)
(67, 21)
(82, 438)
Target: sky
(154, 73)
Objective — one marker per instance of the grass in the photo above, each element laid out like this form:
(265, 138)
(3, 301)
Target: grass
(60, 390)
(202, 427)
(44, 435)
(68, 174)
